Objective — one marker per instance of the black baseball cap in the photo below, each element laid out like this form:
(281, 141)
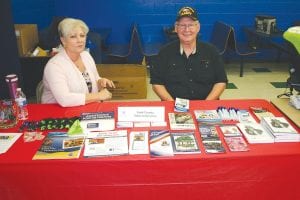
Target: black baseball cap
(187, 12)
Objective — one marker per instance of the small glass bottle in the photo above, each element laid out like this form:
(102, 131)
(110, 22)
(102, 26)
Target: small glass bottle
(21, 102)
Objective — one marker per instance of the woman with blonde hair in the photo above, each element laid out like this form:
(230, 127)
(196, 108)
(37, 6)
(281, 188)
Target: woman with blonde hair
(71, 77)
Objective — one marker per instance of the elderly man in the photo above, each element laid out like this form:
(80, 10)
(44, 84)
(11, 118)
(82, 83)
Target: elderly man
(187, 68)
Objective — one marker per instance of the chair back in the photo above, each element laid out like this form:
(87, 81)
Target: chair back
(139, 38)
(220, 36)
(129, 53)
(135, 54)
(147, 49)
(232, 43)
(238, 48)
(39, 91)
(95, 46)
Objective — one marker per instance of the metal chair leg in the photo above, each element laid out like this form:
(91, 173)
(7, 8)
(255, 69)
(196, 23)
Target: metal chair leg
(242, 67)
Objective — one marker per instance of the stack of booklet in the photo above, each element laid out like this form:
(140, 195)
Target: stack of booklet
(184, 143)
(233, 138)
(181, 121)
(207, 116)
(260, 112)
(255, 133)
(211, 140)
(160, 143)
(281, 129)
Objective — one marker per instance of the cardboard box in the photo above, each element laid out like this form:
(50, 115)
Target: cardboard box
(129, 79)
(27, 38)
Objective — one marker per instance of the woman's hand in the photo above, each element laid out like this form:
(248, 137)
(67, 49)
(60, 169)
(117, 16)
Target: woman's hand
(104, 82)
(104, 94)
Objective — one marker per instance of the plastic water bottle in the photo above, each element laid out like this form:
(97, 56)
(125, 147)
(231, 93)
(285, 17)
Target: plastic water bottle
(21, 102)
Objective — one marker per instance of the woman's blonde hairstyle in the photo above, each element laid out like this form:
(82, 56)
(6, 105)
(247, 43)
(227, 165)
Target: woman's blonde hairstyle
(68, 24)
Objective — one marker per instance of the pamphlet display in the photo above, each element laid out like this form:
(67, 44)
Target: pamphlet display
(181, 121)
(160, 143)
(97, 121)
(144, 130)
(230, 130)
(236, 144)
(207, 116)
(59, 145)
(281, 129)
(138, 142)
(260, 112)
(211, 140)
(185, 143)
(255, 133)
(106, 143)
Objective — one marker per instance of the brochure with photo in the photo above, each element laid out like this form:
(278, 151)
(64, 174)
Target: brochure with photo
(185, 143)
(138, 142)
(160, 143)
(181, 121)
(106, 143)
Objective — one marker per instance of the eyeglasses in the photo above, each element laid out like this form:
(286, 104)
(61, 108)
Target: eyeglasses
(184, 26)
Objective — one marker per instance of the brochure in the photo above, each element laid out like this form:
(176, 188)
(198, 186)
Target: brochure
(7, 140)
(106, 143)
(138, 142)
(59, 145)
(185, 143)
(160, 143)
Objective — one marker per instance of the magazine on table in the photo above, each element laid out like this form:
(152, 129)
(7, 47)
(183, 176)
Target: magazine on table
(208, 132)
(281, 129)
(230, 130)
(210, 139)
(207, 116)
(260, 112)
(106, 143)
(255, 133)
(213, 146)
(278, 125)
(138, 142)
(185, 143)
(160, 143)
(59, 145)
(97, 121)
(181, 121)
(236, 144)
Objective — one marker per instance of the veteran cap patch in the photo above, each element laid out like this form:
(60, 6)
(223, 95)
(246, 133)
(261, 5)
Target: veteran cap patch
(187, 12)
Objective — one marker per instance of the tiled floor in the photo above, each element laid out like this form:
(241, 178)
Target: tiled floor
(255, 84)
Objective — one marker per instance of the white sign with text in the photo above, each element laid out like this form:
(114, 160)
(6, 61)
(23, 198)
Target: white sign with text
(141, 114)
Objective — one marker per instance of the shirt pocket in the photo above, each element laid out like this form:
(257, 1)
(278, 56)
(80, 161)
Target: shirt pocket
(203, 72)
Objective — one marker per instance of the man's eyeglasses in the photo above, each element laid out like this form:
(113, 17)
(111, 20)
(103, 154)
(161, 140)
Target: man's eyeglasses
(184, 26)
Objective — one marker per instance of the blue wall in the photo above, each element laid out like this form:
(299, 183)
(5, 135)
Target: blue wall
(153, 15)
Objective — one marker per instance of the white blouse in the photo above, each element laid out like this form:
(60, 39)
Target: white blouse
(64, 83)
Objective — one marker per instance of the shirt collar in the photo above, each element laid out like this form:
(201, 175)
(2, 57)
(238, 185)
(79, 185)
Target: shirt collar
(181, 50)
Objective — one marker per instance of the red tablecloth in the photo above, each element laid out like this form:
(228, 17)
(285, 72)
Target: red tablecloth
(267, 171)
